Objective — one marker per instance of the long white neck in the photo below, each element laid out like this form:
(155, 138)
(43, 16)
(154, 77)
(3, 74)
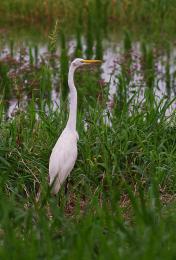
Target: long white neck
(73, 100)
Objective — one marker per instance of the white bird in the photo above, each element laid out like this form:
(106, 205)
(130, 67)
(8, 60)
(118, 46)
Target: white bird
(64, 153)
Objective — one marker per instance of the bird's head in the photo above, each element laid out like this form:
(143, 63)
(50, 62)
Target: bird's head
(76, 63)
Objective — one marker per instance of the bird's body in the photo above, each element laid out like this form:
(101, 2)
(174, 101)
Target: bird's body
(64, 153)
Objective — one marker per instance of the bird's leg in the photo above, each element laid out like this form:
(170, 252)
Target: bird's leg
(66, 185)
(59, 203)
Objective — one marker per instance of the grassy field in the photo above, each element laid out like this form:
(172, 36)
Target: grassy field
(121, 200)
(145, 16)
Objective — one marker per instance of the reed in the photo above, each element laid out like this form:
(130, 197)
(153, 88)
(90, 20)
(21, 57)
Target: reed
(117, 185)
(121, 194)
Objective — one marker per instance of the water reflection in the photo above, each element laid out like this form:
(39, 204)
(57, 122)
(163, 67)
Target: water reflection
(135, 69)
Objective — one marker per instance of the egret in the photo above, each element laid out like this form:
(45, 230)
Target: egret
(64, 153)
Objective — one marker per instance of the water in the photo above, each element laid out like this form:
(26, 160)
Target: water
(116, 62)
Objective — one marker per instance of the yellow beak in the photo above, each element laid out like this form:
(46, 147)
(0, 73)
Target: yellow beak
(92, 61)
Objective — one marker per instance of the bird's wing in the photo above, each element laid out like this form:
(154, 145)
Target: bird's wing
(63, 158)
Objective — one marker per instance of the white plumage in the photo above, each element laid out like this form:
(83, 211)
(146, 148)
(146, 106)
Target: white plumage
(64, 153)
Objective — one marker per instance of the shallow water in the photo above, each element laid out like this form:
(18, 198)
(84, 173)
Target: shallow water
(114, 59)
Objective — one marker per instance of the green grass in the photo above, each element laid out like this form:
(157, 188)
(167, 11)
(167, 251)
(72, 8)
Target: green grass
(121, 200)
(141, 16)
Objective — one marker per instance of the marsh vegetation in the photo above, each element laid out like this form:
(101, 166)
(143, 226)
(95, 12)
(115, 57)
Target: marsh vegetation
(121, 199)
